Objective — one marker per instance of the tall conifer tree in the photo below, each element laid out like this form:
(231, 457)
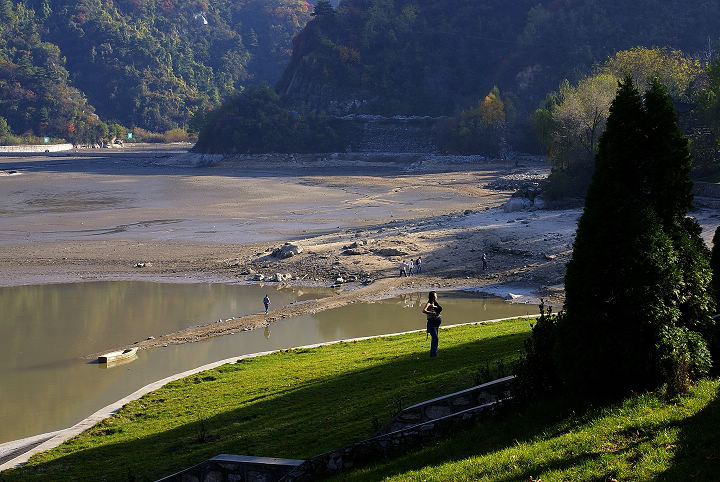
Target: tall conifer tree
(637, 281)
(668, 160)
(715, 264)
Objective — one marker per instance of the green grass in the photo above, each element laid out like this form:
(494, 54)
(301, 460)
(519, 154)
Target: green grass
(643, 438)
(301, 403)
(292, 404)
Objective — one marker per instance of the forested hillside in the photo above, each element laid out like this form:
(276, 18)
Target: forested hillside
(146, 63)
(429, 57)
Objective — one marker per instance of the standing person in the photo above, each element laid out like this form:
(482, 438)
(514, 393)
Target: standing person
(484, 261)
(432, 310)
(418, 265)
(266, 302)
(403, 269)
(410, 267)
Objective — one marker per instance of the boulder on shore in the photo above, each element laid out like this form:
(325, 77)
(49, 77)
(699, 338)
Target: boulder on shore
(279, 277)
(287, 250)
(517, 204)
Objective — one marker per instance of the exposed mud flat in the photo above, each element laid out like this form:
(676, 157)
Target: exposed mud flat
(137, 214)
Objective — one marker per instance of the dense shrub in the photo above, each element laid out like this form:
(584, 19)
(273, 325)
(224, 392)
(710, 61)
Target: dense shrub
(176, 135)
(255, 122)
(684, 356)
(715, 263)
(537, 371)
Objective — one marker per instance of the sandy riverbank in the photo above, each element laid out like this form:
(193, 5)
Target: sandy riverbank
(90, 216)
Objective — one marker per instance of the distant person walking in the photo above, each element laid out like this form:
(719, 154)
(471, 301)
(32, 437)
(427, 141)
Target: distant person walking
(410, 267)
(484, 261)
(403, 269)
(432, 310)
(418, 265)
(266, 302)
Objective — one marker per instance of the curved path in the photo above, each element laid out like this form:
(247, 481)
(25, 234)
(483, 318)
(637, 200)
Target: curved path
(18, 452)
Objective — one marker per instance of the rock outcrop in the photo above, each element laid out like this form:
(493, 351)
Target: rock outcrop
(287, 250)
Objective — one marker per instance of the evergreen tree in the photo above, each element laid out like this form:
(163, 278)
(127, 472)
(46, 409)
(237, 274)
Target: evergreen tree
(606, 329)
(323, 9)
(715, 264)
(636, 284)
(668, 159)
(669, 190)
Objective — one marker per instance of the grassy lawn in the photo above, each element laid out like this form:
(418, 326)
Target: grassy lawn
(292, 404)
(643, 438)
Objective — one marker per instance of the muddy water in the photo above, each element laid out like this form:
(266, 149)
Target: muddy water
(45, 385)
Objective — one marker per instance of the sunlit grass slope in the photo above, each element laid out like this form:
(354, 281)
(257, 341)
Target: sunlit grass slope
(293, 404)
(644, 438)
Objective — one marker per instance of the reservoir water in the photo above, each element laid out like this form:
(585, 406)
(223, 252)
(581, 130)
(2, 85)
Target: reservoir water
(46, 330)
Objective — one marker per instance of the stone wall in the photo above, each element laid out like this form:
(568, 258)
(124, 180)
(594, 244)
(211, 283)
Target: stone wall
(413, 426)
(706, 189)
(450, 404)
(707, 195)
(237, 468)
(455, 412)
(370, 133)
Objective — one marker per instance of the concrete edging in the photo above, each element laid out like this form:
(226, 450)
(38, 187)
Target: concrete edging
(61, 436)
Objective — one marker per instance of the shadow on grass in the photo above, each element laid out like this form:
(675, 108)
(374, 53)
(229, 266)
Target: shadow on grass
(512, 425)
(697, 456)
(698, 447)
(295, 420)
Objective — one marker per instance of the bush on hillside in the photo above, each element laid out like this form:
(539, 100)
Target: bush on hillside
(255, 122)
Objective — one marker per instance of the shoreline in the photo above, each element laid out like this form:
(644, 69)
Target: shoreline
(148, 215)
(22, 449)
(86, 219)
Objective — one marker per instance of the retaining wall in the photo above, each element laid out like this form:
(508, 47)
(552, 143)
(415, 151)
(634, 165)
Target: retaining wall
(366, 133)
(236, 468)
(36, 148)
(490, 392)
(706, 189)
(457, 418)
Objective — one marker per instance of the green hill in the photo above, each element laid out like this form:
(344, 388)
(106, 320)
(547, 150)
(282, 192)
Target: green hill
(146, 63)
(426, 57)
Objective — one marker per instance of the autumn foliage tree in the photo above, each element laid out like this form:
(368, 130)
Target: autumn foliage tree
(480, 128)
(572, 119)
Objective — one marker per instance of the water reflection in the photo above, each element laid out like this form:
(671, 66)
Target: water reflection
(44, 386)
(46, 329)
